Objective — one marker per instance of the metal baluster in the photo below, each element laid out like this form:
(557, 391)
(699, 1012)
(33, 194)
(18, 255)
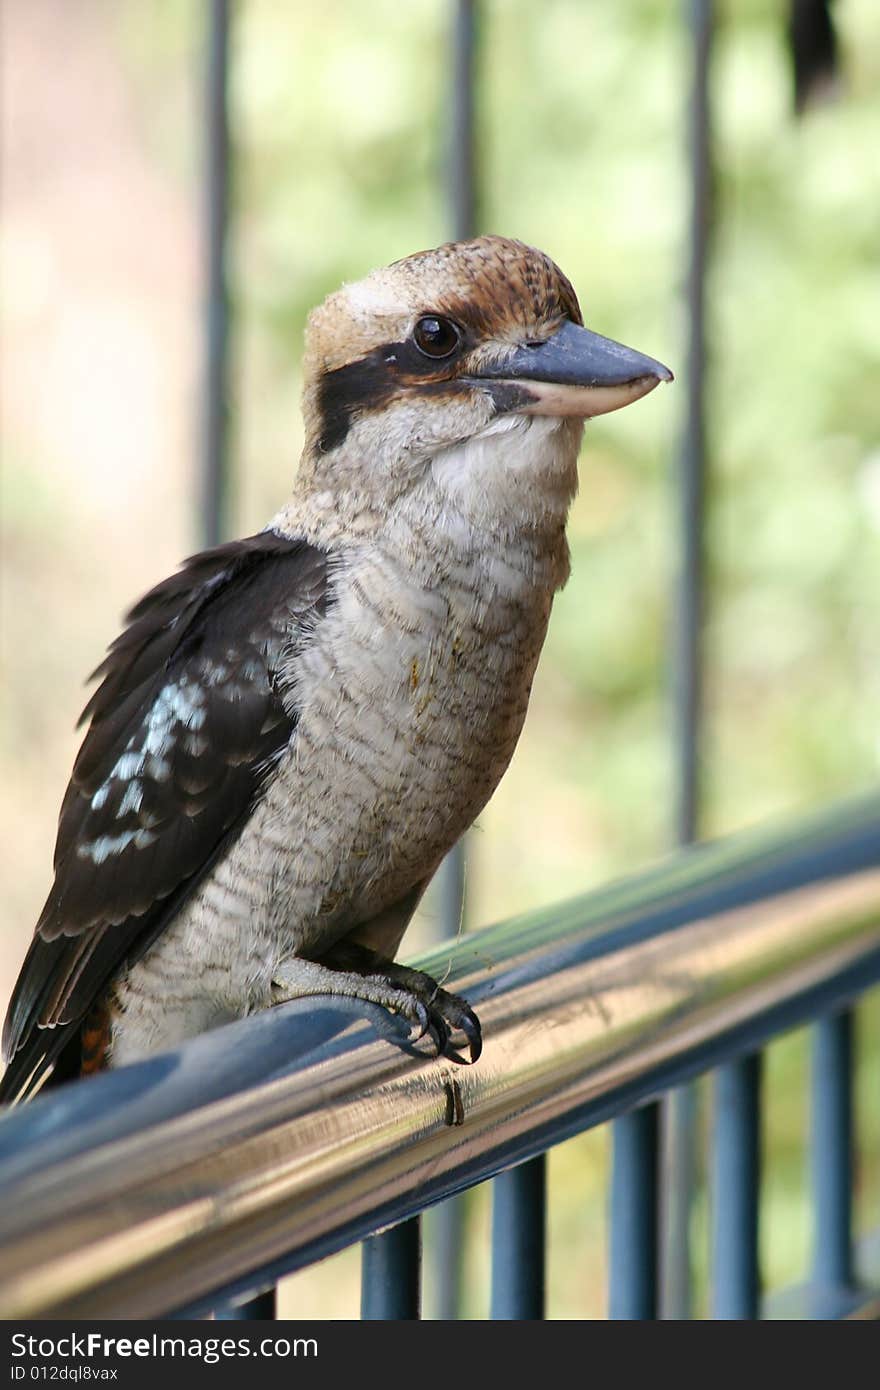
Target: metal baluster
(390, 1274)
(214, 501)
(735, 1189)
(463, 144)
(463, 215)
(692, 460)
(462, 204)
(632, 1291)
(447, 1223)
(680, 1106)
(831, 1152)
(519, 1241)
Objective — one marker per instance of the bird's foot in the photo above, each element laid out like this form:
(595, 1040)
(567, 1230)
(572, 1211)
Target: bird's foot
(440, 1013)
(353, 970)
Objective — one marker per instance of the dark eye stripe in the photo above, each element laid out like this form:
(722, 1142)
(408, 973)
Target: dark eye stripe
(371, 382)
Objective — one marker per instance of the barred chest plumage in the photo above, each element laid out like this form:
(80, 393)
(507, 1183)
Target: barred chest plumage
(411, 695)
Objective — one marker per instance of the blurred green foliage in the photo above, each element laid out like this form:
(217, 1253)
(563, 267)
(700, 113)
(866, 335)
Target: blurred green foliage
(340, 114)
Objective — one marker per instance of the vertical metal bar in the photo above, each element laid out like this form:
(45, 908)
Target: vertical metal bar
(832, 1153)
(447, 1223)
(390, 1274)
(444, 1231)
(463, 216)
(214, 500)
(679, 1125)
(735, 1189)
(463, 145)
(680, 1107)
(519, 1239)
(451, 885)
(633, 1256)
(692, 461)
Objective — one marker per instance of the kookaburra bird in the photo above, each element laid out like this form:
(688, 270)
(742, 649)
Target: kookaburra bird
(294, 729)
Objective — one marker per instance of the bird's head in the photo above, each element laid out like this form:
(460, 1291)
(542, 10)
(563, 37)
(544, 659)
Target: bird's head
(451, 348)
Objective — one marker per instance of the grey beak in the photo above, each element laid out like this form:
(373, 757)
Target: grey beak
(576, 357)
(576, 372)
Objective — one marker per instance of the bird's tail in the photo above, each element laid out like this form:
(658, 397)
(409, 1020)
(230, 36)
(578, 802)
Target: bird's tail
(43, 1062)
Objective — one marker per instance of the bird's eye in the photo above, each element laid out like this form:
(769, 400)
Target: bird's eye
(436, 337)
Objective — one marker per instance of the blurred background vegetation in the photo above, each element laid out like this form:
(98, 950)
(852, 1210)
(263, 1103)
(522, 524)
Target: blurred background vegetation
(340, 112)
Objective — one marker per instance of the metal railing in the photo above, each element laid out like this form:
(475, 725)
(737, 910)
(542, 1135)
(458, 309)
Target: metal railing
(268, 1144)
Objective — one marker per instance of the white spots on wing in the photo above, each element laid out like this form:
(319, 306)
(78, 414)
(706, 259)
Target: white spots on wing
(179, 702)
(127, 766)
(132, 799)
(159, 727)
(177, 715)
(159, 769)
(214, 673)
(254, 671)
(106, 846)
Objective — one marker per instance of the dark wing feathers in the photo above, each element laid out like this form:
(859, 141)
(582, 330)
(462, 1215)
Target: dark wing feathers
(188, 719)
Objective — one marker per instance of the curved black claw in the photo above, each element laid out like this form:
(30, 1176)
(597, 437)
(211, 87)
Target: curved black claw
(470, 1026)
(440, 1033)
(456, 1016)
(424, 1021)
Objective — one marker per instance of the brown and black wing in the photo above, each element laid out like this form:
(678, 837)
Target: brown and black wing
(186, 725)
